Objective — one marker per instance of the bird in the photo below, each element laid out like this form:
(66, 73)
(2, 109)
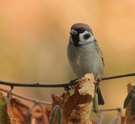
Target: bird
(84, 54)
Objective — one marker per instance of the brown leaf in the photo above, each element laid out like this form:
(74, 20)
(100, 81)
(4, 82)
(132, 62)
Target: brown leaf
(60, 101)
(56, 100)
(123, 120)
(77, 107)
(129, 86)
(17, 111)
(40, 114)
(4, 119)
(130, 119)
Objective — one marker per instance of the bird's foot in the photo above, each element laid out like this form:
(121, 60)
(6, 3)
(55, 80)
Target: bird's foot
(71, 84)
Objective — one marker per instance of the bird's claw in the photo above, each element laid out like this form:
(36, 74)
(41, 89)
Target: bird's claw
(71, 85)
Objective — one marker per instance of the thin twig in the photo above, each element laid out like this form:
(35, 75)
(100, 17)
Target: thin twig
(119, 76)
(111, 109)
(25, 98)
(32, 84)
(12, 84)
(48, 103)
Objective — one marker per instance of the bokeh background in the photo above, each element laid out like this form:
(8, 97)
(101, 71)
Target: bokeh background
(34, 36)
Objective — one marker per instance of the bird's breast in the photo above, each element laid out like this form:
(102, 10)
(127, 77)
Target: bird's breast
(85, 60)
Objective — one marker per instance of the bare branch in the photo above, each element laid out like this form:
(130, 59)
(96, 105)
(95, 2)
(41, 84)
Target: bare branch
(13, 84)
(119, 76)
(26, 98)
(111, 109)
(32, 84)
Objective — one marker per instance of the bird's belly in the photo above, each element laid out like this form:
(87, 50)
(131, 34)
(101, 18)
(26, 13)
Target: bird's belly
(85, 61)
(83, 65)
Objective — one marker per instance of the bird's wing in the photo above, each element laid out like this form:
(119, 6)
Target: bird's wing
(99, 51)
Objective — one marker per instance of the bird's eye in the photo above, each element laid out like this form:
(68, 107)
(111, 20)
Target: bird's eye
(86, 36)
(80, 30)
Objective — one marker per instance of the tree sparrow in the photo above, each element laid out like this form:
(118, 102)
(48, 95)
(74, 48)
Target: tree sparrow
(84, 54)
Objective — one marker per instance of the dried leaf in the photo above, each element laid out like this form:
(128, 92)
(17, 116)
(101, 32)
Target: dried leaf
(56, 100)
(4, 119)
(95, 103)
(133, 105)
(17, 111)
(78, 107)
(123, 120)
(41, 114)
(131, 93)
(129, 86)
(28, 117)
(130, 119)
(60, 101)
(100, 96)
(56, 112)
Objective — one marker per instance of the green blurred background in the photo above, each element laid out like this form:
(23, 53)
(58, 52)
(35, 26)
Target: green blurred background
(34, 36)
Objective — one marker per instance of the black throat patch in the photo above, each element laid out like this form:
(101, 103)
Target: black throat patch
(76, 39)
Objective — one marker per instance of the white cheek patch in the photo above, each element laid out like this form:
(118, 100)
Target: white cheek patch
(82, 40)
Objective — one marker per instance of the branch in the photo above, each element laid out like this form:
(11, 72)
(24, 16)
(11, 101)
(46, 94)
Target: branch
(119, 76)
(12, 84)
(25, 98)
(111, 109)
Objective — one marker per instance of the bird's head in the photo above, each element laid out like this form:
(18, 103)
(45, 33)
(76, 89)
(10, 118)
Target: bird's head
(81, 34)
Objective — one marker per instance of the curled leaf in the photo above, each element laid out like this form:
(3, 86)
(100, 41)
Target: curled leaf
(129, 97)
(4, 119)
(100, 96)
(41, 114)
(133, 105)
(28, 116)
(78, 106)
(95, 103)
(129, 114)
(17, 111)
(56, 111)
